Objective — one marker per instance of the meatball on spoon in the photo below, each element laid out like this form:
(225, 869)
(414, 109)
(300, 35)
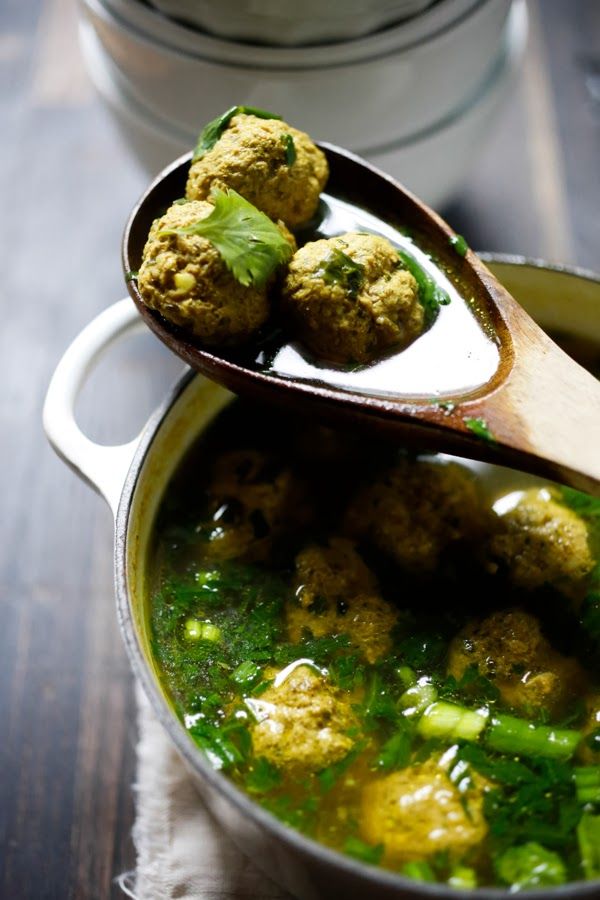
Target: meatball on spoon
(482, 381)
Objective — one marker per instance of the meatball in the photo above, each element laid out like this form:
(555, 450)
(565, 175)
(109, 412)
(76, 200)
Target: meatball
(253, 499)
(416, 511)
(337, 594)
(350, 298)
(509, 648)
(253, 157)
(334, 572)
(589, 749)
(302, 722)
(417, 812)
(184, 278)
(541, 542)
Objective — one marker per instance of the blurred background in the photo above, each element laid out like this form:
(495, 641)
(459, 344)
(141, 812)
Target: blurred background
(488, 109)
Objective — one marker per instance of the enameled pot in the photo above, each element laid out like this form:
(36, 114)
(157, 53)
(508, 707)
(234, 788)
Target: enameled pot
(132, 478)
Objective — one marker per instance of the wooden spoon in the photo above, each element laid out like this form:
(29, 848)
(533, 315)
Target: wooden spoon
(520, 401)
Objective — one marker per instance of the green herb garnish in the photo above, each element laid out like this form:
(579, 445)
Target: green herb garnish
(339, 268)
(431, 295)
(588, 837)
(530, 865)
(211, 132)
(418, 870)
(290, 148)
(329, 776)
(480, 428)
(593, 740)
(263, 776)
(395, 753)
(446, 406)
(459, 244)
(131, 275)
(583, 504)
(587, 783)
(251, 245)
(365, 852)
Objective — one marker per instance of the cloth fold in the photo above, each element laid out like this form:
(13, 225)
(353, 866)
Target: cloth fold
(182, 854)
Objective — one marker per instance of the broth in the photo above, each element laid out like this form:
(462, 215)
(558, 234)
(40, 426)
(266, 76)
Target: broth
(342, 671)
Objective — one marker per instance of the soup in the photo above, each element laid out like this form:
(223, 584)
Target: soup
(395, 655)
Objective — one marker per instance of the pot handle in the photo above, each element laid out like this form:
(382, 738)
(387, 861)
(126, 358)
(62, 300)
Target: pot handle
(104, 468)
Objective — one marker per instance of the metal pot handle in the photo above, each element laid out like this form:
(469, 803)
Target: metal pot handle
(104, 468)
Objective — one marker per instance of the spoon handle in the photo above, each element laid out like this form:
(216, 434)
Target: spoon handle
(548, 406)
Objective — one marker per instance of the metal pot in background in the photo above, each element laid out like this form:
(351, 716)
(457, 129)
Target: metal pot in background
(287, 23)
(417, 98)
(133, 477)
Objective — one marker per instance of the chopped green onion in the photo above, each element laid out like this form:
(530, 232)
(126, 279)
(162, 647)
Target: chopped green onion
(447, 720)
(418, 697)
(588, 835)
(507, 734)
(195, 630)
(587, 783)
(406, 675)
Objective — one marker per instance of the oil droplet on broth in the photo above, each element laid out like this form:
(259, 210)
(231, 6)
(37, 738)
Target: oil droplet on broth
(455, 356)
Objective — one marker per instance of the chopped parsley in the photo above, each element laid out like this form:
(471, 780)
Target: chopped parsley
(211, 132)
(251, 245)
(131, 275)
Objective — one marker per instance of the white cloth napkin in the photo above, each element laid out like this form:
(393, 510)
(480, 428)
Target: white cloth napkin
(182, 854)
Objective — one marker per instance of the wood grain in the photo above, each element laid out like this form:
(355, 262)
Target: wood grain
(67, 184)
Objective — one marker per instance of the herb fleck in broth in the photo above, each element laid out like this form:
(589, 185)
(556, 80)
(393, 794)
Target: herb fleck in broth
(336, 676)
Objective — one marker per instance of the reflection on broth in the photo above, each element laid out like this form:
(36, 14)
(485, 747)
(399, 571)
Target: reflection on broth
(397, 656)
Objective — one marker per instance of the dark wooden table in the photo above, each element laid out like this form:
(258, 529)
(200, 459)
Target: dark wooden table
(67, 716)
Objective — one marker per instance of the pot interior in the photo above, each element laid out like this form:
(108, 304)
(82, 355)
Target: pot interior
(564, 302)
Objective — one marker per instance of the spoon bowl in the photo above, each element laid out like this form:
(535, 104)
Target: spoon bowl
(484, 382)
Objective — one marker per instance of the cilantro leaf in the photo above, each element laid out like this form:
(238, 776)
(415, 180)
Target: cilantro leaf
(251, 245)
(395, 752)
(339, 268)
(211, 132)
